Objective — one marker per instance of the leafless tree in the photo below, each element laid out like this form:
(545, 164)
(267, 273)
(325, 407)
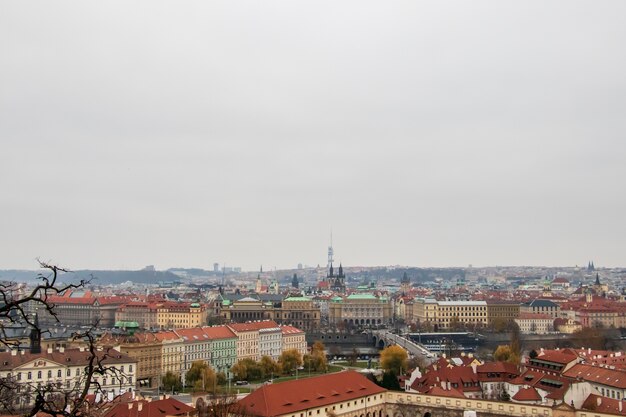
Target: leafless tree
(50, 398)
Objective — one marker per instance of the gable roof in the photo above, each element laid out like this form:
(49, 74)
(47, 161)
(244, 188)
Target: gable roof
(157, 408)
(295, 396)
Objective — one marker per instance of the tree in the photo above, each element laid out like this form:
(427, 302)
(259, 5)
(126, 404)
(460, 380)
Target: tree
(290, 360)
(505, 353)
(48, 397)
(353, 356)
(589, 337)
(269, 366)
(201, 377)
(171, 381)
(390, 381)
(394, 359)
(516, 340)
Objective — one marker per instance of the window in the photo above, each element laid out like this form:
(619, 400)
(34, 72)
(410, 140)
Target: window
(59, 373)
(30, 375)
(38, 374)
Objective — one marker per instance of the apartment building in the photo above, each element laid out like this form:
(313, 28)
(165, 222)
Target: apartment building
(172, 351)
(64, 369)
(247, 340)
(293, 338)
(443, 314)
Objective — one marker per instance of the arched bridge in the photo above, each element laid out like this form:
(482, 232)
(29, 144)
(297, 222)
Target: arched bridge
(384, 338)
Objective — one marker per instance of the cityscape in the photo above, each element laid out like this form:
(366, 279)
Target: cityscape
(237, 208)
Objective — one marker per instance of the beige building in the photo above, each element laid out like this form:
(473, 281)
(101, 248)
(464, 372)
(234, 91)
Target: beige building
(502, 310)
(145, 349)
(299, 312)
(444, 314)
(360, 310)
(64, 370)
(247, 340)
(293, 338)
(172, 315)
(172, 352)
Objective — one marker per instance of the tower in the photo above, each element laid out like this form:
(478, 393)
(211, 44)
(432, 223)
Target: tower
(35, 337)
(331, 252)
(405, 283)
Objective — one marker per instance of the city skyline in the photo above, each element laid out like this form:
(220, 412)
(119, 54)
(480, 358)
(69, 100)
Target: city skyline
(423, 134)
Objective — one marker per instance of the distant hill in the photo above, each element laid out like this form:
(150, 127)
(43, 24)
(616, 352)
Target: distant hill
(99, 277)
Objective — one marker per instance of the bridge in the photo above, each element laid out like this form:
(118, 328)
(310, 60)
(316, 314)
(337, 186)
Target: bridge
(384, 338)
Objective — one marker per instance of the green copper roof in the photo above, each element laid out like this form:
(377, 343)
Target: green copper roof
(127, 324)
(337, 299)
(226, 303)
(361, 297)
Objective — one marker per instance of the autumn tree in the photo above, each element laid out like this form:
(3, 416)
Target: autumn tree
(394, 359)
(269, 366)
(201, 377)
(505, 353)
(171, 381)
(290, 360)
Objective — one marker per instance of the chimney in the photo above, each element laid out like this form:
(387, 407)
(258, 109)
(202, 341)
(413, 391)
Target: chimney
(589, 351)
(474, 367)
(599, 401)
(139, 406)
(619, 405)
(21, 352)
(13, 352)
(130, 406)
(82, 349)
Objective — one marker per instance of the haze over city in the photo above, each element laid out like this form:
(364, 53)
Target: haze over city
(420, 133)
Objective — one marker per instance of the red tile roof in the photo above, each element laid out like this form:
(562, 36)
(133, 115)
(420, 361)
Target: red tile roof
(219, 332)
(604, 405)
(527, 394)
(295, 396)
(609, 377)
(157, 408)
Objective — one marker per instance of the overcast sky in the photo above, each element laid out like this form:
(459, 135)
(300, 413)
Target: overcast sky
(440, 133)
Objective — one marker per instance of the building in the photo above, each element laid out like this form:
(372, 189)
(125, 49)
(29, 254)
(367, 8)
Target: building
(447, 314)
(535, 323)
(293, 338)
(340, 394)
(143, 313)
(605, 382)
(145, 349)
(172, 352)
(247, 340)
(223, 347)
(80, 308)
(336, 282)
(300, 312)
(171, 315)
(360, 310)
(504, 311)
(541, 306)
(64, 369)
(270, 338)
(197, 347)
